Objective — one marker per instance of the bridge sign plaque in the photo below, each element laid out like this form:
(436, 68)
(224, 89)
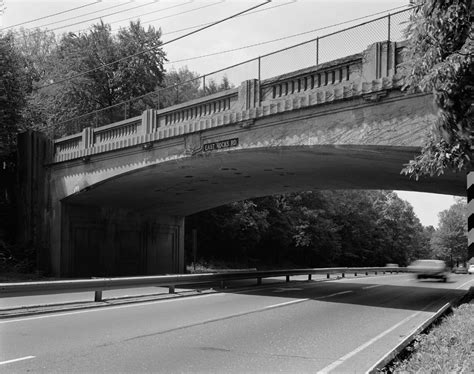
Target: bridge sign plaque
(214, 146)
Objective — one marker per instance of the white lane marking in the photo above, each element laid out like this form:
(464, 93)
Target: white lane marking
(287, 289)
(344, 358)
(302, 300)
(361, 278)
(286, 303)
(373, 286)
(333, 294)
(101, 309)
(16, 360)
(462, 285)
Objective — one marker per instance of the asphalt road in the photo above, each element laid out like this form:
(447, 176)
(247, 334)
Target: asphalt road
(337, 326)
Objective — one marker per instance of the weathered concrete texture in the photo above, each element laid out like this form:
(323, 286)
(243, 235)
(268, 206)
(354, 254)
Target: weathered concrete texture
(350, 145)
(99, 241)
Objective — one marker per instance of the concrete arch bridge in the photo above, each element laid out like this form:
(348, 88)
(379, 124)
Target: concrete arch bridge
(116, 196)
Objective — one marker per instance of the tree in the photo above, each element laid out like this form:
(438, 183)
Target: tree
(98, 69)
(181, 85)
(449, 240)
(439, 59)
(13, 86)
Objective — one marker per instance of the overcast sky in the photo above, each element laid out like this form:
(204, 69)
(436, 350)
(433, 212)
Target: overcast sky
(267, 28)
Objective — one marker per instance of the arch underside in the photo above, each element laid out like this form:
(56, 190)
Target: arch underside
(204, 181)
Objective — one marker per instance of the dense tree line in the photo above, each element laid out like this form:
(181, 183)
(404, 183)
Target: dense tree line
(319, 228)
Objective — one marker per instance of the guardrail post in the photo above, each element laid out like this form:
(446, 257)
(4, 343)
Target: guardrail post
(309, 277)
(376, 272)
(328, 276)
(259, 281)
(171, 289)
(355, 274)
(222, 284)
(287, 278)
(343, 275)
(98, 296)
(366, 273)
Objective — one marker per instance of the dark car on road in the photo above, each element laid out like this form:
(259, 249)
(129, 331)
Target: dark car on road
(460, 269)
(429, 269)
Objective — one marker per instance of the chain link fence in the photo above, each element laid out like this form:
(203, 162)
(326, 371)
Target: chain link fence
(316, 51)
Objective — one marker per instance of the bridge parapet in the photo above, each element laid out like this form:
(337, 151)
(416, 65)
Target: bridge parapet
(367, 74)
(344, 70)
(199, 108)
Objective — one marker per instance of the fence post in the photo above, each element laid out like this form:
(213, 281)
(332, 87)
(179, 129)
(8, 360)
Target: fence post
(287, 278)
(259, 79)
(328, 276)
(309, 277)
(98, 296)
(317, 50)
(388, 43)
(259, 281)
(171, 289)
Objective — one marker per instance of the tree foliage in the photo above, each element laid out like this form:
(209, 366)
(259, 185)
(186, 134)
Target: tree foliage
(439, 59)
(93, 70)
(319, 228)
(449, 240)
(13, 87)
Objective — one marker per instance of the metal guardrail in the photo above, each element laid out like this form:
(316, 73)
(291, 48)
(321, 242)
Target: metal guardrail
(97, 285)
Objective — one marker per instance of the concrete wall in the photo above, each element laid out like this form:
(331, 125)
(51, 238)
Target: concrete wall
(98, 241)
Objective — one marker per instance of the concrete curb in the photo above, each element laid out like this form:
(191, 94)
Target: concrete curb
(390, 356)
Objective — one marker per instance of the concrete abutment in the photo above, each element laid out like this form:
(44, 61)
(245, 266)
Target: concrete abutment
(98, 241)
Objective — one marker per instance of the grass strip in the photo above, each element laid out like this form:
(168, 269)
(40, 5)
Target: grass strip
(446, 348)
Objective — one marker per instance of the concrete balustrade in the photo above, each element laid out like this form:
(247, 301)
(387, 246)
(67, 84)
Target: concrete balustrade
(320, 76)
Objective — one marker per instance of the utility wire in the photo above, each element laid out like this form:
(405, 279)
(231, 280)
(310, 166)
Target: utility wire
(243, 15)
(187, 11)
(105, 15)
(139, 15)
(283, 37)
(82, 15)
(168, 16)
(51, 15)
(152, 50)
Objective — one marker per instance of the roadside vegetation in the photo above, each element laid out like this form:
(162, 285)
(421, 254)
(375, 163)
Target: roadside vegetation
(446, 348)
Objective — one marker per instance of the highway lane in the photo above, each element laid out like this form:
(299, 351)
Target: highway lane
(339, 326)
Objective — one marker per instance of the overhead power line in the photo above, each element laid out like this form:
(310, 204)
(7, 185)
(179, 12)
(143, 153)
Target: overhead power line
(139, 15)
(82, 15)
(105, 15)
(242, 15)
(283, 37)
(163, 44)
(168, 16)
(52, 15)
(187, 11)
